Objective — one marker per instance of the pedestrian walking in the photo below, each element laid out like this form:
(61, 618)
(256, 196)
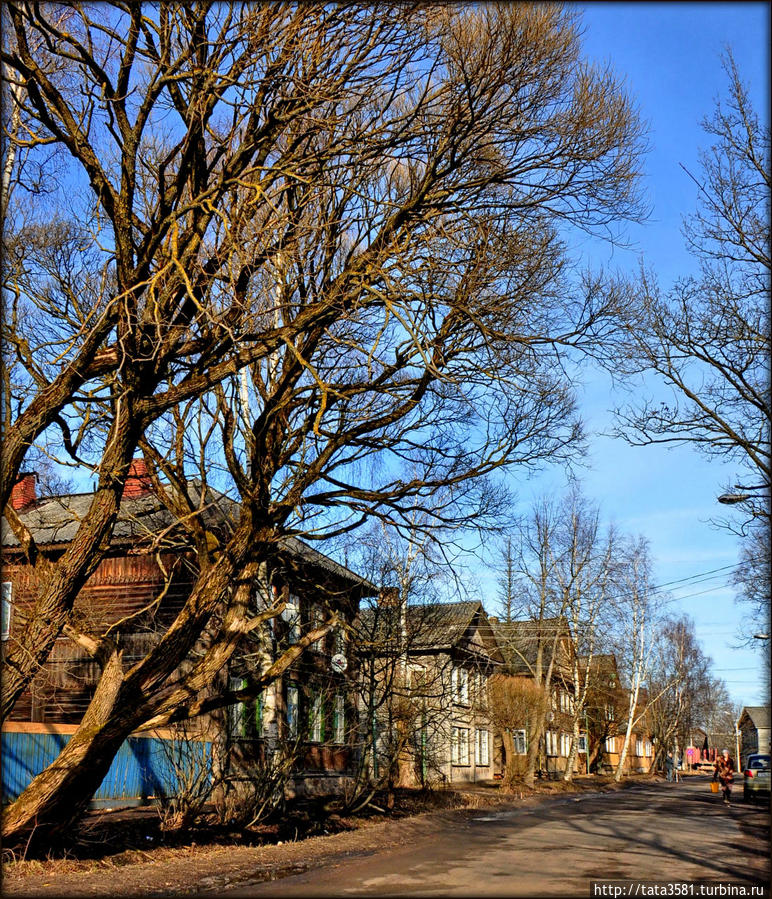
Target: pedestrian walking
(724, 772)
(669, 767)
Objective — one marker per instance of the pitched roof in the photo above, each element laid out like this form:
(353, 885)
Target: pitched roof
(429, 626)
(520, 640)
(759, 715)
(54, 521)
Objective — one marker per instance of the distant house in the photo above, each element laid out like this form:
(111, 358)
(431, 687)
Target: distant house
(428, 668)
(137, 589)
(530, 646)
(753, 725)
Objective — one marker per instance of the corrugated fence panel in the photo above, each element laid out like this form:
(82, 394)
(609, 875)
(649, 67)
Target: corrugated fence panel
(145, 767)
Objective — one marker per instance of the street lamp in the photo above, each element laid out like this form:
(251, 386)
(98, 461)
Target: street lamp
(731, 499)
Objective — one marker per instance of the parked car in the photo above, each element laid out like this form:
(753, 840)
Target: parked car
(756, 776)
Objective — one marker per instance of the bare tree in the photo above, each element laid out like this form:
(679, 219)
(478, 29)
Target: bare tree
(537, 642)
(584, 575)
(707, 339)
(514, 703)
(361, 208)
(680, 673)
(635, 614)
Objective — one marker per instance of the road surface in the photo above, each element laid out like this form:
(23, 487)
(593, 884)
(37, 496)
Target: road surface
(653, 831)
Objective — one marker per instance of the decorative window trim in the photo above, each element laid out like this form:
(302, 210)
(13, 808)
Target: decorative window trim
(317, 619)
(520, 741)
(293, 699)
(339, 719)
(237, 711)
(460, 685)
(339, 641)
(459, 746)
(482, 751)
(316, 719)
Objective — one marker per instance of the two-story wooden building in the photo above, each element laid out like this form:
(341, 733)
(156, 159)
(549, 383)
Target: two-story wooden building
(136, 592)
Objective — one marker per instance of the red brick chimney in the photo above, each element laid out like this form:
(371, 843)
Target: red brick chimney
(137, 481)
(23, 493)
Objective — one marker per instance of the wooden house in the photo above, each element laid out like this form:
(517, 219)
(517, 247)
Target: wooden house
(424, 670)
(137, 590)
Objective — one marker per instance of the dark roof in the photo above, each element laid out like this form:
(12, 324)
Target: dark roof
(759, 715)
(54, 521)
(430, 626)
(519, 640)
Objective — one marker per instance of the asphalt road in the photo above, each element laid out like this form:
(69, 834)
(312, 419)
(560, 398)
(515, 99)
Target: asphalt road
(650, 832)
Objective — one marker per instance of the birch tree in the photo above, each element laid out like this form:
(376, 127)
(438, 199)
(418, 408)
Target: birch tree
(635, 612)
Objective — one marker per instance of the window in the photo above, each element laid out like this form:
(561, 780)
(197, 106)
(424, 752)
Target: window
(582, 744)
(339, 645)
(609, 712)
(317, 620)
(566, 703)
(7, 606)
(480, 688)
(237, 712)
(291, 615)
(459, 747)
(551, 741)
(639, 747)
(610, 744)
(339, 719)
(482, 756)
(647, 747)
(565, 745)
(519, 741)
(259, 718)
(292, 710)
(460, 686)
(316, 720)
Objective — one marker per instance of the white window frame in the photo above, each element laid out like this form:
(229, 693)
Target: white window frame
(611, 744)
(609, 712)
(520, 741)
(459, 746)
(339, 719)
(647, 748)
(639, 748)
(316, 728)
(460, 684)
(565, 745)
(237, 711)
(581, 746)
(482, 751)
(7, 609)
(293, 700)
(339, 642)
(317, 618)
(551, 742)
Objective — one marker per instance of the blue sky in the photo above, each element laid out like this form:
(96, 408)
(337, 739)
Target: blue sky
(669, 56)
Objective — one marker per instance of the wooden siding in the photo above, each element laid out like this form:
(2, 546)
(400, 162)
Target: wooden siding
(120, 589)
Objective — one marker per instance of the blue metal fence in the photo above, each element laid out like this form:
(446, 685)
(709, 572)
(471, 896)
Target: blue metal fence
(143, 769)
